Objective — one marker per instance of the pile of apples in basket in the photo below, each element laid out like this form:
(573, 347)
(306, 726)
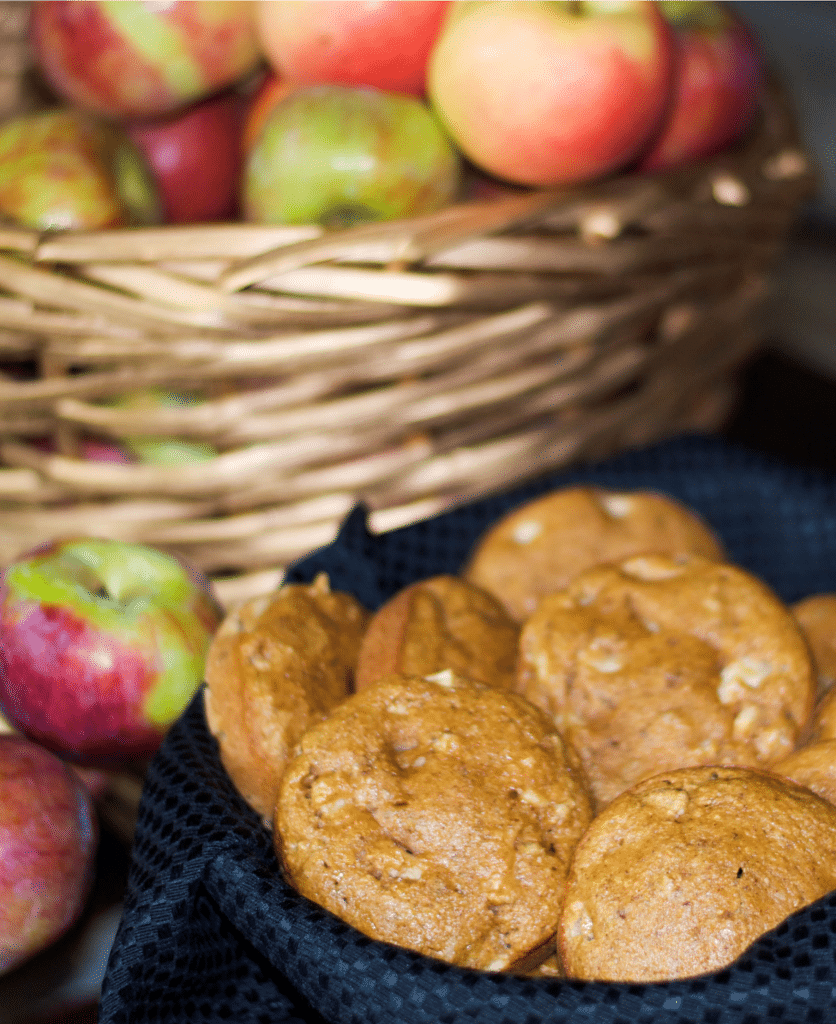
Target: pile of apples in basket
(280, 112)
(338, 113)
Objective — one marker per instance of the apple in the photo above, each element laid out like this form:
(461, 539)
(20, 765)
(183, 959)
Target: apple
(384, 45)
(716, 85)
(91, 449)
(48, 840)
(61, 170)
(95, 780)
(195, 156)
(169, 451)
(103, 451)
(550, 94)
(102, 645)
(142, 59)
(164, 450)
(338, 155)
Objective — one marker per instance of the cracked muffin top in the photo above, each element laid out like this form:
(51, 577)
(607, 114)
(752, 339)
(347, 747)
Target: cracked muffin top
(438, 623)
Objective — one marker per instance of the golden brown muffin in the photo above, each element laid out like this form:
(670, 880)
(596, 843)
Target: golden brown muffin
(276, 664)
(436, 813)
(438, 623)
(654, 663)
(680, 874)
(817, 617)
(540, 546)
(813, 766)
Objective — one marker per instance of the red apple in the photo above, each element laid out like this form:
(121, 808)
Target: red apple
(138, 58)
(102, 645)
(338, 155)
(61, 170)
(92, 449)
(95, 780)
(548, 94)
(103, 451)
(716, 84)
(195, 156)
(384, 45)
(48, 838)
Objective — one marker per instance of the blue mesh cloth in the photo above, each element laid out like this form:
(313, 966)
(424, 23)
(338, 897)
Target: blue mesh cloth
(210, 931)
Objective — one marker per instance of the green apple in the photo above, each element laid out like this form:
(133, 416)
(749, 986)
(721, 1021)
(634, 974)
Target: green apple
(163, 451)
(337, 155)
(62, 170)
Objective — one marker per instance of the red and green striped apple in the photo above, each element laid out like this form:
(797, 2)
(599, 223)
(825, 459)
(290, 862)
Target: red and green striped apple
(102, 645)
(131, 59)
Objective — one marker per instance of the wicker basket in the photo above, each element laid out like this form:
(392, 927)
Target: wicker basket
(411, 365)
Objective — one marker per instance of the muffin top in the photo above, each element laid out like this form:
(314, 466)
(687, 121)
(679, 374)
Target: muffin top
(438, 623)
(540, 546)
(681, 873)
(276, 664)
(437, 813)
(655, 663)
(822, 722)
(814, 766)
(816, 615)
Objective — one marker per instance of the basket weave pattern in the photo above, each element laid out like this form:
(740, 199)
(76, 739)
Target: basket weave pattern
(411, 365)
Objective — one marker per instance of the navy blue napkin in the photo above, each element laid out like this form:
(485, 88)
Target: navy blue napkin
(211, 932)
